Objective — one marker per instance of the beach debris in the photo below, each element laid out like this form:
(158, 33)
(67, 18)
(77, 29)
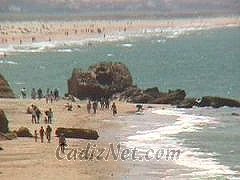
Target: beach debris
(23, 132)
(77, 133)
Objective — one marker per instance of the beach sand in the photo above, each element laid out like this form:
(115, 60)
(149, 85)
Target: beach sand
(28, 32)
(22, 158)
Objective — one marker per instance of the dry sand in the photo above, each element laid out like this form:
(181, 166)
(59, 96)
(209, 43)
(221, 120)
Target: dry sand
(20, 33)
(22, 158)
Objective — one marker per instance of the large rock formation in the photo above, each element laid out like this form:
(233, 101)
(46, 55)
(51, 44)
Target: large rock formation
(104, 79)
(217, 102)
(3, 122)
(77, 133)
(5, 90)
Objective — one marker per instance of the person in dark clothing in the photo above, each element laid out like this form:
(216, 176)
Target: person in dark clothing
(41, 133)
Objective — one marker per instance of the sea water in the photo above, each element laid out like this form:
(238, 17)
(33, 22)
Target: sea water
(202, 62)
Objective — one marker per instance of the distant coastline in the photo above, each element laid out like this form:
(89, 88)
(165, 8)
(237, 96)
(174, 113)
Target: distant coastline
(41, 35)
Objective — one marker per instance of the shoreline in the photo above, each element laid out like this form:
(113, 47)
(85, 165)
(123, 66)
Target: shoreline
(33, 36)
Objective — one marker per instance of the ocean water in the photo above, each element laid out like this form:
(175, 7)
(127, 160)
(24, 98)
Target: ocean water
(203, 62)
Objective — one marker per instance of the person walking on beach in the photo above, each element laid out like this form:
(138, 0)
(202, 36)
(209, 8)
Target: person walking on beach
(47, 95)
(34, 121)
(38, 114)
(50, 116)
(62, 142)
(48, 133)
(95, 107)
(40, 94)
(114, 109)
(23, 92)
(33, 93)
(56, 94)
(41, 133)
(35, 135)
(89, 107)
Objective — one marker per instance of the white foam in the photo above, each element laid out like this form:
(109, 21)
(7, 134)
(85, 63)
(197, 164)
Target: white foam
(189, 157)
(127, 45)
(109, 55)
(8, 62)
(64, 50)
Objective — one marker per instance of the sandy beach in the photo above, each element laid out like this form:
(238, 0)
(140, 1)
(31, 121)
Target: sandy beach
(22, 158)
(25, 33)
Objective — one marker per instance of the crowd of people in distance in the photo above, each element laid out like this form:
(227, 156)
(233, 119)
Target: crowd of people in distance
(104, 104)
(51, 95)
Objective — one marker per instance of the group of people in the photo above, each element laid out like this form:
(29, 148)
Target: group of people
(48, 133)
(43, 132)
(103, 104)
(51, 95)
(36, 114)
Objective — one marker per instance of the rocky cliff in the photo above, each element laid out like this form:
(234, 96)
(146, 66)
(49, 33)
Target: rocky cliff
(5, 90)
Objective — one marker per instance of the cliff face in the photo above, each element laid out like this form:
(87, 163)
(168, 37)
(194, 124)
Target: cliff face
(5, 90)
(104, 79)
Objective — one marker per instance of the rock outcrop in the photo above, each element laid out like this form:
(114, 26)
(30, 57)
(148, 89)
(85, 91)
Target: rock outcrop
(5, 90)
(217, 102)
(3, 122)
(101, 80)
(77, 133)
(23, 132)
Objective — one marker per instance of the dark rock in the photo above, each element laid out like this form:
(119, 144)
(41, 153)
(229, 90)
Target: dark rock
(5, 90)
(217, 102)
(154, 92)
(172, 97)
(143, 98)
(129, 93)
(3, 122)
(187, 103)
(235, 114)
(1, 150)
(77, 133)
(104, 79)
(23, 132)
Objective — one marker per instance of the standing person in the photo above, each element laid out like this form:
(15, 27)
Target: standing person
(51, 97)
(34, 114)
(107, 103)
(35, 135)
(89, 107)
(41, 133)
(56, 94)
(62, 142)
(102, 103)
(40, 93)
(114, 109)
(50, 116)
(24, 93)
(47, 95)
(38, 114)
(33, 93)
(48, 133)
(95, 107)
